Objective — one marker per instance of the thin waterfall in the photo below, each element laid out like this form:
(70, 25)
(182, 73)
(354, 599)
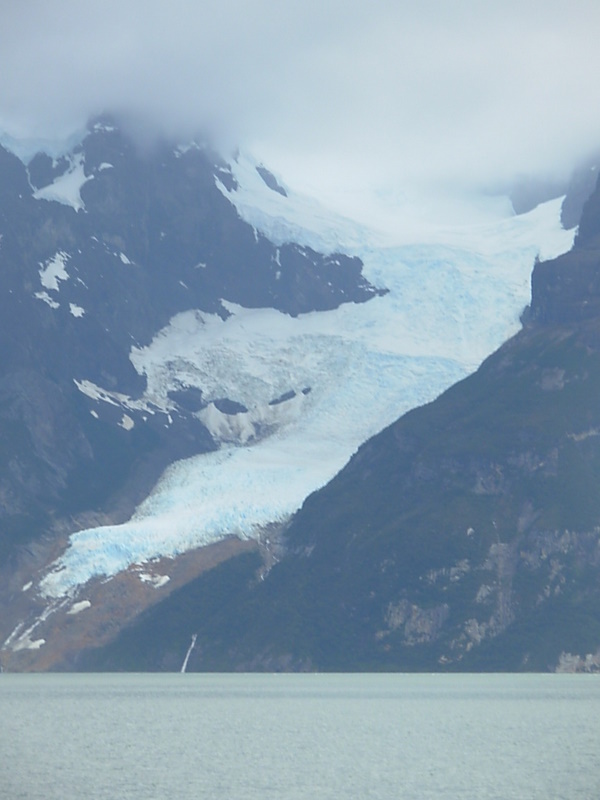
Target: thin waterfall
(187, 655)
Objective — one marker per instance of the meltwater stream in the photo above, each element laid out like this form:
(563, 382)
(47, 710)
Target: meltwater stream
(290, 737)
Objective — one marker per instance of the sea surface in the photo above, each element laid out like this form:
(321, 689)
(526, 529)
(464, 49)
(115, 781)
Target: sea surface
(291, 737)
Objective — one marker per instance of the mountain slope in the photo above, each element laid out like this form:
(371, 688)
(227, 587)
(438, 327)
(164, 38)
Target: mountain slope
(99, 250)
(173, 303)
(464, 536)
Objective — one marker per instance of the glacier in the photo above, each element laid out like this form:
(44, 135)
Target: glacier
(316, 386)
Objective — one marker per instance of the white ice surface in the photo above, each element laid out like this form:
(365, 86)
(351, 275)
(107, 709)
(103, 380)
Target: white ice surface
(76, 311)
(157, 581)
(126, 422)
(47, 299)
(77, 608)
(454, 297)
(66, 188)
(54, 271)
(28, 644)
(20, 638)
(26, 148)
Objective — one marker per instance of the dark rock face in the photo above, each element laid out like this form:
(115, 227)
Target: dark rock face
(579, 190)
(271, 180)
(567, 289)
(132, 240)
(527, 193)
(465, 536)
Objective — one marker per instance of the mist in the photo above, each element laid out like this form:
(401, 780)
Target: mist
(336, 97)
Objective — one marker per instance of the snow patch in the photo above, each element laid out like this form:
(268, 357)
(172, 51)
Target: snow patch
(76, 608)
(94, 392)
(104, 127)
(126, 422)
(124, 258)
(54, 271)
(28, 644)
(47, 299)
(21, 639)
(27, 586)
(154, 580)
(76, 311)
(182, 149)
(67, 187)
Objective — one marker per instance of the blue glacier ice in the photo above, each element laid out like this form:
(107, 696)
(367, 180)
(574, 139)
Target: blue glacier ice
(455, 294)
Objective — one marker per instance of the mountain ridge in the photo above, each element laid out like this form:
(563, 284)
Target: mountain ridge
(465, 536)
(154, 321)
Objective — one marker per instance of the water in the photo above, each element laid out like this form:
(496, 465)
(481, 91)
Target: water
(245, 737)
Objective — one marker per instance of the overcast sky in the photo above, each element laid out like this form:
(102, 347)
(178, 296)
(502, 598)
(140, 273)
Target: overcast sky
(329, 92)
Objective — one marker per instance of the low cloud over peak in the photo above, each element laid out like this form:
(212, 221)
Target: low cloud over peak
(338, 93)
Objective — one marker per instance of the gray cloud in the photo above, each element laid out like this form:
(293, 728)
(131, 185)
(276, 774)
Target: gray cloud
(383, 92)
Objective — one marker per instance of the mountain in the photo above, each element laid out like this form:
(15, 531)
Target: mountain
(465, 536)
(176, 307)
(100, 248)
